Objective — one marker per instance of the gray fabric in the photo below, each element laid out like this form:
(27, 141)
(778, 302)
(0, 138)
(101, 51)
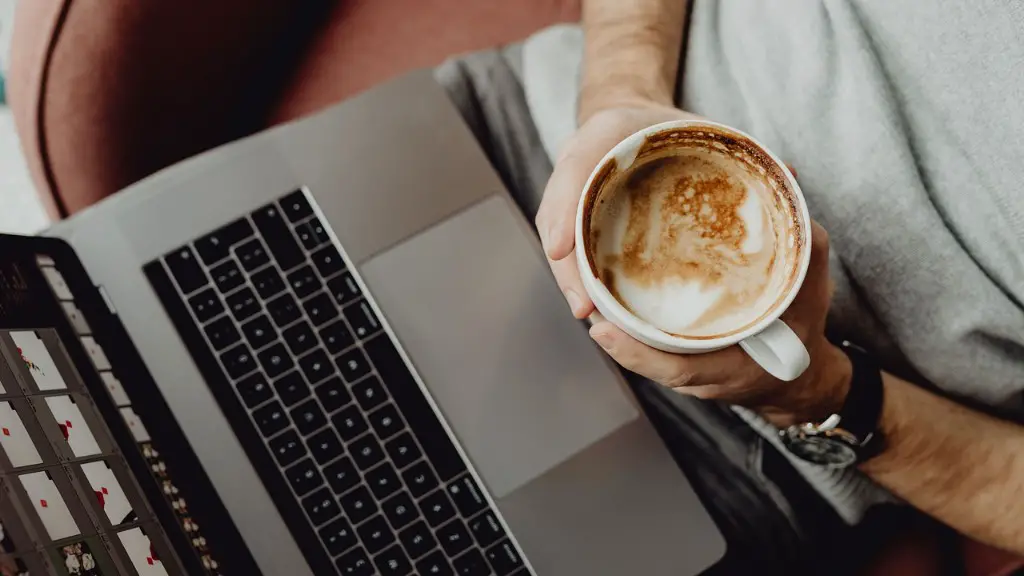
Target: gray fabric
(766, 521)
(903, 120)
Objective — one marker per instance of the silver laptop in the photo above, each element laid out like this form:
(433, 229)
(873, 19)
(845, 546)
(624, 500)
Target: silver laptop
(358, 333)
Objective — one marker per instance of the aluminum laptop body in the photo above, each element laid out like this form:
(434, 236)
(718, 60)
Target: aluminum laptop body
(413, 283)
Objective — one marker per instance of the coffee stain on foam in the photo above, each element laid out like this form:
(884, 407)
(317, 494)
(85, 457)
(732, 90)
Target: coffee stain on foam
(695, 232)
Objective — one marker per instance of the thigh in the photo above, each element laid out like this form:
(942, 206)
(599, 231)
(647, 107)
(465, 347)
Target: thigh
(720, 454)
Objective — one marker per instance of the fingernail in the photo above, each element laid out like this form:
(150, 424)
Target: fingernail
(574, 300)
(603, 339)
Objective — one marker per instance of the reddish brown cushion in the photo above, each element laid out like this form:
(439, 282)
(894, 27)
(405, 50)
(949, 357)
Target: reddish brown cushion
(106, 92)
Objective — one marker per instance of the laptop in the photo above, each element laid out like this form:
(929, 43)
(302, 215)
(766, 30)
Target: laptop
(345, 339)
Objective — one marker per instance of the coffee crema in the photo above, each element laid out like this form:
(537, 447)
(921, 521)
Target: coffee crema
(700, 236)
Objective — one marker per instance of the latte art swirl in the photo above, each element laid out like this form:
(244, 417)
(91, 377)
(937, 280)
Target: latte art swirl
(694, 241)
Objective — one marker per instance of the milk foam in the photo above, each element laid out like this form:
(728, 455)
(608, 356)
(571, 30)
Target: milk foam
(691, 243)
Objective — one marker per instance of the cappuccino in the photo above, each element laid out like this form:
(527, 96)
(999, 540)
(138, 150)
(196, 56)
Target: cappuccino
(699, 237)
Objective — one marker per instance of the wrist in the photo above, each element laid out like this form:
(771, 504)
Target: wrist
(829, 382)
(594, 101)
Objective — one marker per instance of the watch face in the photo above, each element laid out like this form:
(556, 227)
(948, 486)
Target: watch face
(822, 450)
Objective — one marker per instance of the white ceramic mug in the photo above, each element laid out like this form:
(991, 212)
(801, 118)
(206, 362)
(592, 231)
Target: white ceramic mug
(768, 341)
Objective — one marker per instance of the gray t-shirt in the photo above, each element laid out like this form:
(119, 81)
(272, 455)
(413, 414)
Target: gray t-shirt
(905, 121)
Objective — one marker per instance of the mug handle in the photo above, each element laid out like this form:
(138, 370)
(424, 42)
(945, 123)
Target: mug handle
(778, 350)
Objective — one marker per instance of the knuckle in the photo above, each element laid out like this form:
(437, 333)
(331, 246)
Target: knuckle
(819, 238)
(679, 379)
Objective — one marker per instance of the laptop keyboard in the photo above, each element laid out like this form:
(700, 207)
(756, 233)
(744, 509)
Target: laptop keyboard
(358, 463)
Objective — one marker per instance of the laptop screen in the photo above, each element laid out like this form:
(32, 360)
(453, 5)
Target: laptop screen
(98, 475)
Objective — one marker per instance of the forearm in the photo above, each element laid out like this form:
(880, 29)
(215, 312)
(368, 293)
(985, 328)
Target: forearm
(631, 52)
(960, 466)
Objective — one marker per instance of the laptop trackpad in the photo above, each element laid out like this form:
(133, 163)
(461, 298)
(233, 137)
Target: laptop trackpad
(519, 381)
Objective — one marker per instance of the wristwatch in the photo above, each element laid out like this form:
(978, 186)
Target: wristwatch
(851, 435)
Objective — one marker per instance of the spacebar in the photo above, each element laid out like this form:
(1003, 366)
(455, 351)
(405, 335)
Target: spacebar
(436, 443)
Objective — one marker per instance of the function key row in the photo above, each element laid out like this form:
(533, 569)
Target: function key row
(279, 229)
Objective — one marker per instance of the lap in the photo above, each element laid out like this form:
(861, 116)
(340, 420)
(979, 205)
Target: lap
(766, 518)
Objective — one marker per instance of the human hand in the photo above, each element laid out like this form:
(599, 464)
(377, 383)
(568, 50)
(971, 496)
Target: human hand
(730, 375)
(727, 375)
(556, 218)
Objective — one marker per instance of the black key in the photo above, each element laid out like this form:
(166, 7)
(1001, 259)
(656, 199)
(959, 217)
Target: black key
(349, 423)
(284, 310)
(238, 361)
(359, 505)
(291, 388)
(370, 393)
(437, 509)
(333, 394)
(375, 534)
(278, 236)
(454, 537)
(342, 475)
(252, 255)
(338, 536)
(320, 506)
(362, 319)
(383, 481)
(504, 558)
(276, 360)
(216, 246)
(259, 332)
(393, 562)
(355, 563)
(337, 337)
(353, 365)
(287, 448)
(485, 529)
(366, 451)
(222, 333)
(270, 419)
(304, 281)
(227, 276)
(296, 206)
(344, 288)
(304, 477)
(186, 270)
(268, 282)
(312, 234)
(467, 496)
(471, 563)
(299, 338)
(320, 309)
(402, 450)
(308, 417)
(206, 305)
(254, 390)
(414, 407)
(434, 564)
(523, 572)
(419, 478)
(325, 446)
(316, 366)
(400, 510)
(417, 539)
(386, 422)
(243, 304)
(327, 261)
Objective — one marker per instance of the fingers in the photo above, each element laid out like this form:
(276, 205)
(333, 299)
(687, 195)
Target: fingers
(567, 274)
(712, 369)
(556, 217)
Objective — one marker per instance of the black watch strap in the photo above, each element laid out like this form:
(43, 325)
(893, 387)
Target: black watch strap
(862, 410)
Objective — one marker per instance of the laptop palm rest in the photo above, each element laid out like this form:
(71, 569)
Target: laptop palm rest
(517, 378)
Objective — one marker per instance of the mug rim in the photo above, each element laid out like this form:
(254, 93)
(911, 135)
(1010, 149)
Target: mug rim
(624, 153)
